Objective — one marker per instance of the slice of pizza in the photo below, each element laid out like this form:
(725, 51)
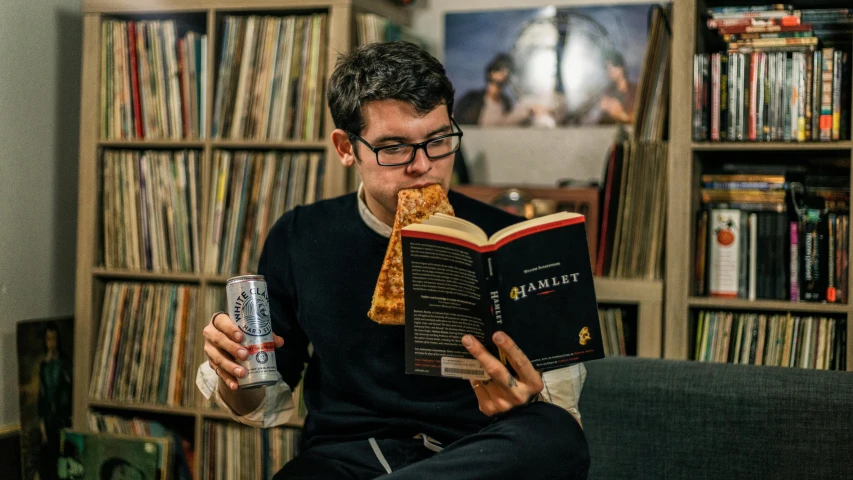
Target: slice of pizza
(413, 206)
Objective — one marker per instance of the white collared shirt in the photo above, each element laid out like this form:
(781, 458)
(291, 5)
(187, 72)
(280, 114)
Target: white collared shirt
(562, 386)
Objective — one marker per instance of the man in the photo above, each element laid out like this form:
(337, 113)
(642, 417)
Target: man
(617, 101)
(492, 106)
(392, 105)
(54, 400)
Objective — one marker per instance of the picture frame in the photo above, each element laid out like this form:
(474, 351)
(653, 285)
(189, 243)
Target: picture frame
(87, 455)
(45, 352)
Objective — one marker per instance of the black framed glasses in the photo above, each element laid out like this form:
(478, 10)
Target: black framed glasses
(404, 153)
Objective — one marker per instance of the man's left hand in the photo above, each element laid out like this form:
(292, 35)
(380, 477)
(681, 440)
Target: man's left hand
(503, 392)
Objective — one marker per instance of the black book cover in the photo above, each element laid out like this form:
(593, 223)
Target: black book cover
(535, 284)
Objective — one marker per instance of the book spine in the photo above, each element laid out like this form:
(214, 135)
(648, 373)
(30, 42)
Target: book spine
(794, 278)
(752, 126)
(827, 63)
(715, 96)
(494, 318)
(810, 223)
(836, 94)
(753, 250)
(724, 252)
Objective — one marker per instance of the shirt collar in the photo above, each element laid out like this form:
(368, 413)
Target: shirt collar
(369, 218)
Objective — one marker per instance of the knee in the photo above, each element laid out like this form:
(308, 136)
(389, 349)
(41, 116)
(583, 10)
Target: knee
(557, 437)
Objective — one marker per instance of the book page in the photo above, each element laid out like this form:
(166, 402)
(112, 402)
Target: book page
(443, 231)
(532, 224)
(547, 298)
(442, 220)
(444, 298)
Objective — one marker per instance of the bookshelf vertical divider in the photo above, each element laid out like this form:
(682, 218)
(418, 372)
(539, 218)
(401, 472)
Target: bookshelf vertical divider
(85, 312)
(678, 234)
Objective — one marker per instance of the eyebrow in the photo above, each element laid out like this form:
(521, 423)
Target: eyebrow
(399, 139)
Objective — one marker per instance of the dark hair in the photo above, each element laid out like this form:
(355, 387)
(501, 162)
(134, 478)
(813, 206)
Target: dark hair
(386, 71)
(500, 62)
(614, 58)
(50, 326)
(110, 464)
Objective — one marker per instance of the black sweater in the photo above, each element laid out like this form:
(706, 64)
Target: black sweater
(321, 263)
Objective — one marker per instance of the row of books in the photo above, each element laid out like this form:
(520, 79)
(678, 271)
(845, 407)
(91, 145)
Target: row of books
(153, 81)
(782, 340)
(370, 28)
(150, 205)
(771, 96)
(146, 344)
(270, 79)
(232, 451)
(761, 237)
(181, 449)
(615, 328)
(776, 14)
(249, 191)
(631, 234)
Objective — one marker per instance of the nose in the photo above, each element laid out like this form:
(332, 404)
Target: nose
(421, 164)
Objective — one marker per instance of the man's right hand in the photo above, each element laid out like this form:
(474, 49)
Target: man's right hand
(222, 346)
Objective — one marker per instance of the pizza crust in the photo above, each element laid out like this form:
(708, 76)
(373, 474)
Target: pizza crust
(413, 206)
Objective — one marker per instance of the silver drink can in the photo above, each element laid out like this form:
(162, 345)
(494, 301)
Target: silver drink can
(248, 307)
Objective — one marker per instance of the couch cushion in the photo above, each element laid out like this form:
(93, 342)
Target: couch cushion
(661, 419)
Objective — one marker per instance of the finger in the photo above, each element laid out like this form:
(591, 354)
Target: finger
(223, 323)
(224, 364)
(493, 367)
(519, 361)
(222, 341)
(279, 342)
(484, 399)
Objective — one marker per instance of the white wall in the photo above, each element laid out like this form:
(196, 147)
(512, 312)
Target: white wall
(519, 155)
(40, 45)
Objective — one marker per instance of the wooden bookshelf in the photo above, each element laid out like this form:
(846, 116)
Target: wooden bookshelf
(91, 276)
(685, 160)
(647, 295)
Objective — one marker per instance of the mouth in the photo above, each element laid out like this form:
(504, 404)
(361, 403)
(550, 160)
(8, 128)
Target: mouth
(422, 185)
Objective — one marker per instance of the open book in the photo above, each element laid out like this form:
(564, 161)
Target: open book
(531, 280)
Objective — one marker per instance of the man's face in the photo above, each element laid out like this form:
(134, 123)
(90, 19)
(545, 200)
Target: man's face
(499, 76)
(389, 122)
(614, 73)
(50, 340)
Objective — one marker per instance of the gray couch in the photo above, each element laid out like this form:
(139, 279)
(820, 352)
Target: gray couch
(663, 419)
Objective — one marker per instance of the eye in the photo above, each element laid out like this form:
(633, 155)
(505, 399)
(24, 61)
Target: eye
(393, 150)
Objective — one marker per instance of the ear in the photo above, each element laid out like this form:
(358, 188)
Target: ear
(344, 147)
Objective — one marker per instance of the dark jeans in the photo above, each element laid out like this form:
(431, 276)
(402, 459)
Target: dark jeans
(537, 442)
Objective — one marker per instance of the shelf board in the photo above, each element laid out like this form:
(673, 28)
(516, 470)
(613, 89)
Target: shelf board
(143, 407)
(784, 146)
(218, 279)
(151, 143)
(773, 305)
(145, 275)
(211, 414)
(271, 144)
(624, 290)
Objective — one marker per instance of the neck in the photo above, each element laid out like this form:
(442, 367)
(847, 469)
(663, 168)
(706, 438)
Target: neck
(622, 84)
(51, 354)
(383, 214)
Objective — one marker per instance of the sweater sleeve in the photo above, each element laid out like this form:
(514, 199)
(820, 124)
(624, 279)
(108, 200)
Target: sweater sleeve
(275, 265)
